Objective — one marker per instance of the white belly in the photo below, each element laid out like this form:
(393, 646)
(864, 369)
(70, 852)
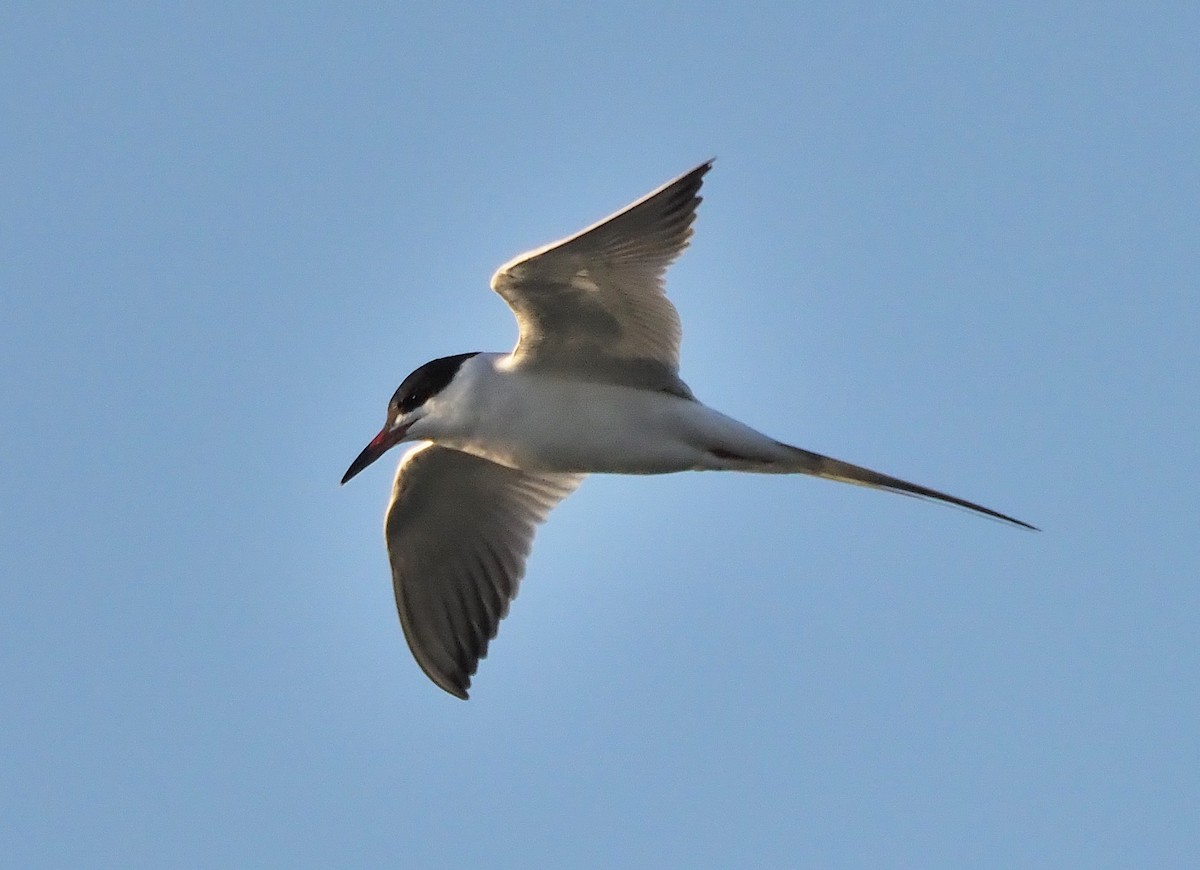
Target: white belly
(567, 426)
(540, 423)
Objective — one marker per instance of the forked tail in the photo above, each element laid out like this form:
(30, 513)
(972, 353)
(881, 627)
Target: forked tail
(728, 445)
(807, 462)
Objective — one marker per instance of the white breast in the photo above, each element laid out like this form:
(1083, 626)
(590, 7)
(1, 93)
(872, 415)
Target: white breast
(543, 423)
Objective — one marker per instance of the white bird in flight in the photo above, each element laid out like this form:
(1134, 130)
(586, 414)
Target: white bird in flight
(592, 387)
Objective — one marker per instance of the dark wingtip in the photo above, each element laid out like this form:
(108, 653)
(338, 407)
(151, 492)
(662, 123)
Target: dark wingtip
(700, 171)
(456, 684)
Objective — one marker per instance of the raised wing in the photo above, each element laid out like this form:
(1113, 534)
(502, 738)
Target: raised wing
(594, 304)
(458, 531)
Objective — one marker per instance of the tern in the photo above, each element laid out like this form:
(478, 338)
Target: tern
(592, 387)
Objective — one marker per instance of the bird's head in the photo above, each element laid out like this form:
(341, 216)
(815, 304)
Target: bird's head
(409, 404)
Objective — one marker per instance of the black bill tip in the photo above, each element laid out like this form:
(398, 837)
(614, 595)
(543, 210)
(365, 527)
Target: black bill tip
(379, 445)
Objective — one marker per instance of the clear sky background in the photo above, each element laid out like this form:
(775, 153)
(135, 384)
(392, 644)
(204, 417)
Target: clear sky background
(957, 243)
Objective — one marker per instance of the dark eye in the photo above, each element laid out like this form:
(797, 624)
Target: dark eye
(408, 401)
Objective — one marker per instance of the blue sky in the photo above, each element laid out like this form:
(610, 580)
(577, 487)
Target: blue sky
(955, 243)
